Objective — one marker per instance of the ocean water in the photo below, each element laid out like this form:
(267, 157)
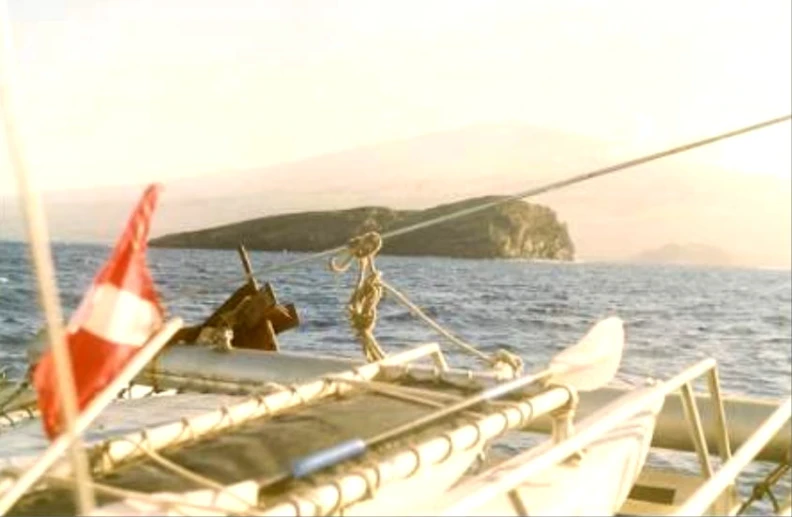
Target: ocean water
(674, 315)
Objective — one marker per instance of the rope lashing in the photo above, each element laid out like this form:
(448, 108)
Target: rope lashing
(362, 305)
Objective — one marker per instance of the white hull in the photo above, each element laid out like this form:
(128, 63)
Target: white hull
(596, 481)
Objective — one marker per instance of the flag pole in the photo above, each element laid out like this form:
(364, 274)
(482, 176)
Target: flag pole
(42, 261)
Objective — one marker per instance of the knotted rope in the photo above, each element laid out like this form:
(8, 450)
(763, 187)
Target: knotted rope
(362, 305)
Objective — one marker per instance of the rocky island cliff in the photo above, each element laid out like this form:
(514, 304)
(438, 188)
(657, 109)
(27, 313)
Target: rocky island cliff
(515, 229)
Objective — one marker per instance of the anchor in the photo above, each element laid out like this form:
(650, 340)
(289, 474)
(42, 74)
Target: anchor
(252, 314)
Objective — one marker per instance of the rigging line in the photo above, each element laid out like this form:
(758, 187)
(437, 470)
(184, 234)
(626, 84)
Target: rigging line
(534, 191)
(586, 176)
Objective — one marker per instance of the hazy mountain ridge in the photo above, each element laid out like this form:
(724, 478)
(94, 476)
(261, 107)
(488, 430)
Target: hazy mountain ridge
(686, 254)
(611, 218)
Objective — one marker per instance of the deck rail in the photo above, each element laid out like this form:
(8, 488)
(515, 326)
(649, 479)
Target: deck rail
(710, 491)
(509, 475)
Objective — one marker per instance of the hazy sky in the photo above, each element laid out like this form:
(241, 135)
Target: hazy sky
(123, 91)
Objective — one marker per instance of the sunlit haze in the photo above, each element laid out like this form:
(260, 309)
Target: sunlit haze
(128, 91)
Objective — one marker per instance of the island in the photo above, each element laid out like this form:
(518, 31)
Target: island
(513, 229)
(686, 254)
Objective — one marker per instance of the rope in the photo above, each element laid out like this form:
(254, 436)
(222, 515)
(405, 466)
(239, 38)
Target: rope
(765, 487)
(501, 357)
(419, 396)
(189, 475)
(189, 292)
(429, 321)
(362, 305)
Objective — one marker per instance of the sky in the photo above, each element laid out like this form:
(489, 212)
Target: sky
(125, 91)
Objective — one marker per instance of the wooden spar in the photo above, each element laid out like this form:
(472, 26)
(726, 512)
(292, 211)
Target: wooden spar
(251, 312)
(38, 237)
(243, 255)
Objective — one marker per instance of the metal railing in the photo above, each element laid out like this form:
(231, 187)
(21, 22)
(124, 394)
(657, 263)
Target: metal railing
(710, 491)
(510, 474)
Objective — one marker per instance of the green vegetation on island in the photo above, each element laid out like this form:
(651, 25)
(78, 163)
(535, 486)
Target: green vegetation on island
(515, 229)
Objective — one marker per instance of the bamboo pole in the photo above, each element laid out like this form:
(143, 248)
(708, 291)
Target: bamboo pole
(124, 448)
(433, 459)
(45, 274)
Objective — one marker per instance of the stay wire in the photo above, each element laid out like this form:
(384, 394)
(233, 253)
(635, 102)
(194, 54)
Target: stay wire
(556, 185)
(536, 191)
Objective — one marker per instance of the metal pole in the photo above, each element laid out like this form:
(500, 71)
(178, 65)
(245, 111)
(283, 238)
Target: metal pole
(695, 428)
(701, 500)
(42, 261)
(509, 474)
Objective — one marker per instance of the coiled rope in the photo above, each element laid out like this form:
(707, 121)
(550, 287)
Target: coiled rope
(362, 306)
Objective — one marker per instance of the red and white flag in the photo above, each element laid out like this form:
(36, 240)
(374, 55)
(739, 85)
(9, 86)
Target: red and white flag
(116, 317)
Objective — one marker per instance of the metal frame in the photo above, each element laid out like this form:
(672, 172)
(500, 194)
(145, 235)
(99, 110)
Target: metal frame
(515, 471)
(724, 478)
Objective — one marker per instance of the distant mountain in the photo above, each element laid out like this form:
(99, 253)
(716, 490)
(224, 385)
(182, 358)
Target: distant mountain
(413, 173)
(687, 254)
(610, 218)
